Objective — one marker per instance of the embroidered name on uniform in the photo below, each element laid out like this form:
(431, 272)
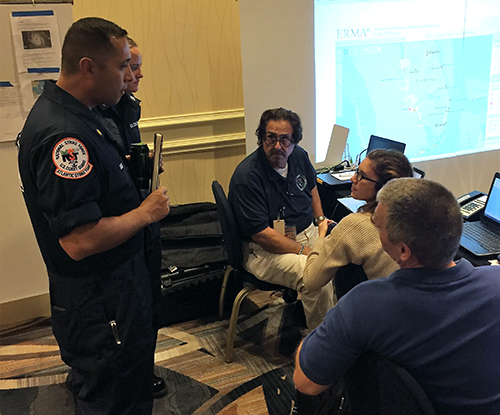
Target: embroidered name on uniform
(71, 159)
(301, 182)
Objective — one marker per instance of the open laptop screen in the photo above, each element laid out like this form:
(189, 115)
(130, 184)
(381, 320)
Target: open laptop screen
(492, 208)
(336, 147)
(381, 142)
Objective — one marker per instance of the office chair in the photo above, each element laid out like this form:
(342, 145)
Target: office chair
(348, 277)
(377, 386)
(233, 245)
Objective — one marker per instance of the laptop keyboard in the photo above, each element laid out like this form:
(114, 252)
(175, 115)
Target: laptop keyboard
(484, 237)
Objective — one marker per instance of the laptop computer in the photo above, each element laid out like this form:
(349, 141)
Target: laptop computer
(482, 238)
(381, 142)
(336, 148)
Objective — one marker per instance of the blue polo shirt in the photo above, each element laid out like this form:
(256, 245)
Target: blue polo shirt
(442, 325)
(257, 193)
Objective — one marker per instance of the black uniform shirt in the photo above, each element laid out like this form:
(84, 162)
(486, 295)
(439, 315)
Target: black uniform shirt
(258, 193)
(72, 174)
(122, 120)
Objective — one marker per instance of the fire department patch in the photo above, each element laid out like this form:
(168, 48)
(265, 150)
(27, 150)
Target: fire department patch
(71, 159)
(301, 182)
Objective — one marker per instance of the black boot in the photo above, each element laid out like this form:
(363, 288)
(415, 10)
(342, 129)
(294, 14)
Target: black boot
(159, 387)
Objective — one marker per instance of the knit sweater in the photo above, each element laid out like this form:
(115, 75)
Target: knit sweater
(353, 240)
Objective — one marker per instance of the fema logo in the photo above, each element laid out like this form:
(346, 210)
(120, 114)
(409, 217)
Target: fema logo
(301, 182)
(71, 159)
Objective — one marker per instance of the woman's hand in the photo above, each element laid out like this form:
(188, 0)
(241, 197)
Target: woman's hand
(323, 227)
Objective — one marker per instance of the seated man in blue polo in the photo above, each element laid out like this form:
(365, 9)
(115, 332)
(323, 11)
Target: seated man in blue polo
(274, 197)
(435, 317)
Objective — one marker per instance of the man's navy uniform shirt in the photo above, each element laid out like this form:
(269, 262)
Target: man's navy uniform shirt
(63, 193)
(258, 193)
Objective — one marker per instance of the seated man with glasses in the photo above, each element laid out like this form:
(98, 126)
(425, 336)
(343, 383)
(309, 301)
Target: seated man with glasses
(274, 197)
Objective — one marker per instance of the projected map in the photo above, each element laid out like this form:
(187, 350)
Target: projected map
(432, 94)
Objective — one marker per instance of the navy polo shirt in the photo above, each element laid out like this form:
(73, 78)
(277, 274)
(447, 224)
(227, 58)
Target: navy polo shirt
(257, 193)
(441, 325)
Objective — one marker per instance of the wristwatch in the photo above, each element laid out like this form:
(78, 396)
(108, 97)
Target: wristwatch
(319, 219)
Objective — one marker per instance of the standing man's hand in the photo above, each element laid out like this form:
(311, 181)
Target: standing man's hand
(157, 204)
(109, 232)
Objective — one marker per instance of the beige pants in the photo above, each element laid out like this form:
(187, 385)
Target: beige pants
(287, 270)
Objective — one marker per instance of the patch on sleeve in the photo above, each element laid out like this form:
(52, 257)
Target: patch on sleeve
(71, 159)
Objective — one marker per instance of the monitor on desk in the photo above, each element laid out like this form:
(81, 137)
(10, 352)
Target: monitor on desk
(381, 142)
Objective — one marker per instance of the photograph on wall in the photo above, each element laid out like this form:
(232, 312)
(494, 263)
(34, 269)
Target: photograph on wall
(36, 39)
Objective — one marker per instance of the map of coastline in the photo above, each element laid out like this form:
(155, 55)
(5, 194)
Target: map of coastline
(424, 93)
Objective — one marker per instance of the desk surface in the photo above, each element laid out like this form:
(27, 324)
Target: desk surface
(328, 180)
(330, 189)
(474, 260)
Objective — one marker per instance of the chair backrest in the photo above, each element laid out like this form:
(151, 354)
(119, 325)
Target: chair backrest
(348, 277)
(376, 385)
(230, 229)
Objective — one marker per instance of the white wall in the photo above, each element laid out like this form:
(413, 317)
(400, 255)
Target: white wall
(22, 271)
(277, 53)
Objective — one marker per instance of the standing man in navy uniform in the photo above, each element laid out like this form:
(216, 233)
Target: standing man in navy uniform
(88, 219)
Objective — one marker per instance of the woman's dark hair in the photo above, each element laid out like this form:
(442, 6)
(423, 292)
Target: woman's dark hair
(279, 114)
(387, 164)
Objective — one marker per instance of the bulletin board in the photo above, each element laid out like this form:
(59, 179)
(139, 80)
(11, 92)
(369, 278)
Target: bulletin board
(32, 33)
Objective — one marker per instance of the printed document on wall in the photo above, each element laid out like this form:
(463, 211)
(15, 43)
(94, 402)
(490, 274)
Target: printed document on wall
(37, 48)
(11, 117)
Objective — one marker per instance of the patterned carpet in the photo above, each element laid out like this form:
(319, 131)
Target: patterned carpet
(189, 355)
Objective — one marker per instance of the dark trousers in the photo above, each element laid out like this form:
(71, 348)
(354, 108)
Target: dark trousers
(104, 327)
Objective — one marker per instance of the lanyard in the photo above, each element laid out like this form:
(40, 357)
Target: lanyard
(283, 193)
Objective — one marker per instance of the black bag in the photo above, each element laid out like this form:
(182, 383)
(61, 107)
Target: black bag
(191, 236)
(193, 263)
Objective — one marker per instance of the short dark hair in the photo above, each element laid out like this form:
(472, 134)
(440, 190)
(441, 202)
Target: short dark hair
(425, 216)
(388, 164)
(88, 37)
(279, 114)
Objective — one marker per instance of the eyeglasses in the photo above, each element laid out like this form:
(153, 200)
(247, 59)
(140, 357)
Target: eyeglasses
(284, 142)
(361, 176)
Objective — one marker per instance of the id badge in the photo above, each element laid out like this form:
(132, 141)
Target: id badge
(279, 226)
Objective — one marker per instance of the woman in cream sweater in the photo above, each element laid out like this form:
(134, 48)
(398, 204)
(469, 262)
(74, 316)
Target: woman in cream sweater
(355, 240)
